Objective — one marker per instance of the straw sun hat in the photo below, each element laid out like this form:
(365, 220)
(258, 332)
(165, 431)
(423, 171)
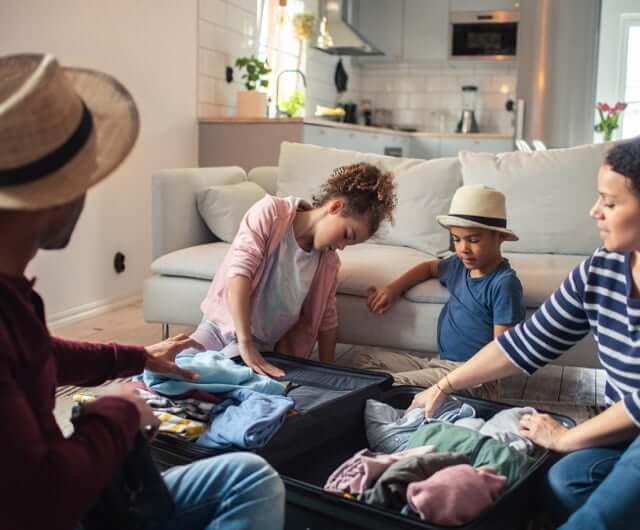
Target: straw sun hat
(478, 206)
(62, 130)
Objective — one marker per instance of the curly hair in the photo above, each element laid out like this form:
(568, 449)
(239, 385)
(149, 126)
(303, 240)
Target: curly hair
(624, 158)
(366, 189)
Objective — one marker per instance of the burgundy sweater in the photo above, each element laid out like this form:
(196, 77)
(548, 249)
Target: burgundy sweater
(49, 481)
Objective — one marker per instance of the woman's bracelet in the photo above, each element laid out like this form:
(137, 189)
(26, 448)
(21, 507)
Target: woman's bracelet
(440, 388)
(446, 377)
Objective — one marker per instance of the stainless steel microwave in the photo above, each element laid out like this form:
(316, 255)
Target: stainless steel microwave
(488, 35)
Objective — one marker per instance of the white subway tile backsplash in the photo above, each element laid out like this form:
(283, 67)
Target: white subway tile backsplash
(212, 63)
(207, 90)
(213, 10)
(409, 84)
(241, 21)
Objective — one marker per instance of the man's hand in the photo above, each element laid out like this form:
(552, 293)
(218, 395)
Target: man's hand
(429, 399)
(254, 360)
(380, 300)
(543, 430)
(161, 357)
(128, 391)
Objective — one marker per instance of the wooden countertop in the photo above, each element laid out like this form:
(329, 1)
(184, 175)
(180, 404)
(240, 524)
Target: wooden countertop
(355, 127)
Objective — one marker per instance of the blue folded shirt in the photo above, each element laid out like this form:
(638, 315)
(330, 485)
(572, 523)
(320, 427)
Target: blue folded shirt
(217, 375)
(246, 420)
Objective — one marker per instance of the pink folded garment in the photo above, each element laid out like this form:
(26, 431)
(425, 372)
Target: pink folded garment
(362, 469)
(455, 495)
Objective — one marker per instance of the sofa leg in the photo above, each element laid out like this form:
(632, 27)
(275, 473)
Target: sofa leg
(165, 331)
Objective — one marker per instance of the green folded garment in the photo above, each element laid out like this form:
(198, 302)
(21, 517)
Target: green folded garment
(480, 450)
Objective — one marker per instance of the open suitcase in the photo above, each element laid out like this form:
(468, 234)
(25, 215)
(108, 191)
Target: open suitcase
(334, 400)
(310, 445)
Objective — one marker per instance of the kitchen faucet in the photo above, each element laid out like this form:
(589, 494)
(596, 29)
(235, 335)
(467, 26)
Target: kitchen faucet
(304, 82)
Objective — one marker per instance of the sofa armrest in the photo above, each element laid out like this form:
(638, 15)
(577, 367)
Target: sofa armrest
(175, 221)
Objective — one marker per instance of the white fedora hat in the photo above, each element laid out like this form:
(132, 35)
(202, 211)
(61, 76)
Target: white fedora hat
(478, 206)
(62, 130)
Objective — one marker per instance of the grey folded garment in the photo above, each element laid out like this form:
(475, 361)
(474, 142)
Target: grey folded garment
(504, 427)
(390, 490)
(388, 429)
(452, 410)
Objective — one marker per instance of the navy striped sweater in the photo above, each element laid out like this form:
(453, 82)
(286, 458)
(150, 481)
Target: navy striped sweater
(596, 296)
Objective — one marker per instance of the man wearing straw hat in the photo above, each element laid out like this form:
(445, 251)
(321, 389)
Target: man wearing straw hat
(62, 130)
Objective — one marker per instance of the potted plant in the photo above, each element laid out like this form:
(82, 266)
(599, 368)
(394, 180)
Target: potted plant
(294, 104)
(609, 117)
(251, 103)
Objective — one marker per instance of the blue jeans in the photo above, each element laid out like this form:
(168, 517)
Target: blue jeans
(596, 488)
(235, 491)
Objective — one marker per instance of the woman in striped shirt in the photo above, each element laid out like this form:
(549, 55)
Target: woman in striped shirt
(597, 484)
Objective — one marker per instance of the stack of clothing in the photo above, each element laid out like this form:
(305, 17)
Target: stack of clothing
(228, 406)
(425, 465)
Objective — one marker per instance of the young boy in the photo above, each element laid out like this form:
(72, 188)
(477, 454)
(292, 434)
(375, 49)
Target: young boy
(485, 294)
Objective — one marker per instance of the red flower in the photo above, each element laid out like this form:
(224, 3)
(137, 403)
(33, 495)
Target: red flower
(604, 107)
(620, 106)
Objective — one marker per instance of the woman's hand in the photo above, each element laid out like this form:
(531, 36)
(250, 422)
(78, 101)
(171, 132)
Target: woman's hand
(543, 430)
(429, 399)
(161, 357)
(254, 360)
(380, 300)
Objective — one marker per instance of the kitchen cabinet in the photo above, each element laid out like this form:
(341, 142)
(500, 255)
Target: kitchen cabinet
(406, 31)
(483, 5)
(426, 147)
(426, 31)
(364, 141)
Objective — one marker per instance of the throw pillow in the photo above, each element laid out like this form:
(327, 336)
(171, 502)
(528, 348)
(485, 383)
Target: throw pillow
(223, 207)
(549, 195)
(424, 189)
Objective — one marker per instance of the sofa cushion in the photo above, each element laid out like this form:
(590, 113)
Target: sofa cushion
(201, 261)
(424, 189)
(223, 207)
(549, 194)
(369, 264)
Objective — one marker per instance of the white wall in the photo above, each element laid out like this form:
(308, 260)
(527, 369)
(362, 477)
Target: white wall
(228, 29)
(149, 45)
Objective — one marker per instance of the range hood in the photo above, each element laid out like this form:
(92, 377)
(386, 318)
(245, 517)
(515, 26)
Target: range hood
(337, 35)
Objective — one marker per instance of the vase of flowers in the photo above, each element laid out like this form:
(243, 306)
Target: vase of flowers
(609, 118)
(251, 103)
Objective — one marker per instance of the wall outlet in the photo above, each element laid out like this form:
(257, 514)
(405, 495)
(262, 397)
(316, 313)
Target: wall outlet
(118, 262)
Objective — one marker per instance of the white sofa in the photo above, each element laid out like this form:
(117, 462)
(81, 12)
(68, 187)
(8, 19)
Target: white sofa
(548, 195)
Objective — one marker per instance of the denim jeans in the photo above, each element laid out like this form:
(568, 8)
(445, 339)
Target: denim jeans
(596, 488)
(235, 491)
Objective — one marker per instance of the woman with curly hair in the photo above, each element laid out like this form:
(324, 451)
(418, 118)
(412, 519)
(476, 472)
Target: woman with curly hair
(276, 288)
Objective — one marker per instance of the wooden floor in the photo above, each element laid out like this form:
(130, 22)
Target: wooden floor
(575, 392)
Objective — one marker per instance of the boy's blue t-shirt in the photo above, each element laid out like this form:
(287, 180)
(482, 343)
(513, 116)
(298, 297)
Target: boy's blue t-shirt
(475, 305)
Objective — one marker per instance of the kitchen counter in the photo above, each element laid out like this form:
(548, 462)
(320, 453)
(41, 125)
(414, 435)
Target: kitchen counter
(355, 127)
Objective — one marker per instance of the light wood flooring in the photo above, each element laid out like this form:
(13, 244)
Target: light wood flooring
(575, 392)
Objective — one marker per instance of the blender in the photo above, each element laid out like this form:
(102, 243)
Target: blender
(468, 123)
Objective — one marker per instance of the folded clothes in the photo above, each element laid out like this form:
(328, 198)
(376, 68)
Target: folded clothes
(217, 375)
(455, 495)
(247, 420)
(390, 490)
(452, 410)
(505, 426)
(192, 408)
(388, 429)
(481, 450)
(361, 470)
(184, 427)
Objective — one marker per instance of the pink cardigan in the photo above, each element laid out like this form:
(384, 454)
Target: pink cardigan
(262, 229)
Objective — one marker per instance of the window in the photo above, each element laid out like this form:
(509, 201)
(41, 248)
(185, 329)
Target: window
(629, 83)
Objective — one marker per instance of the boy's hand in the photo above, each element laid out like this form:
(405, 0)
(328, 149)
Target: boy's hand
(128, 392)
(254, 360)
(381, 300)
